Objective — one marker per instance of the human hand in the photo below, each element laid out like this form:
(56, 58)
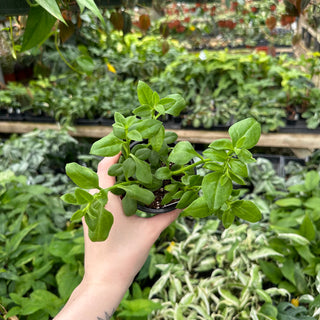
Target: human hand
(129, 240)
(111, 265)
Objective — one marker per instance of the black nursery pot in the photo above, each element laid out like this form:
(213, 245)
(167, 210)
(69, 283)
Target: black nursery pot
(163, 209)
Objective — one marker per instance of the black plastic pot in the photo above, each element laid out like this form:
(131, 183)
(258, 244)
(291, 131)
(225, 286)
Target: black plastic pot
(166, 208)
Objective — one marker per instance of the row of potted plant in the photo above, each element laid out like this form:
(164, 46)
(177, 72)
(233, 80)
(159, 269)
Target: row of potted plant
(196, 269)
(222, 88)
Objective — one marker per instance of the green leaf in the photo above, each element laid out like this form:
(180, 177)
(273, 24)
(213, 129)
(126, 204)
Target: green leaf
(177, 106)
(289, 202)
(108, 146)
(77, 215)
(129, 168)
(214, 192)
(215, 155)
(221, 144)
(143, 153)
(85, 63)
(245, 156)
(38, 28)
(313, 203)
(295, 238)
(138, 308)
(99, 221)
(307, 228)
(69, 198)
(52, 7)
(83, 196)
(187, 198)
(271, 270)
(158, 139)
(145, 93)
(119, 119)
(148, 127)
(197, 209)
(246, 210)
(140, 194)
(267, 309)
(163, 173)
(129, 205)
(238, 167)
(144, 111)
(90, 4)
(263, 253)
(160, 109)
(83, 177)
(119, 131)
(116, 169)
(245, 133)
(68, 279)
(312, 180)
(227, 218)
(15, 240)
(229, 298)
(182, 153)
(134, 135)
(287, 270)
(170, 137)
(143, 170)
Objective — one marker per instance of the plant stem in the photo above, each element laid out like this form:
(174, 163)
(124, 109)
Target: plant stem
(190, 166)
(61, 55)
(14, 53)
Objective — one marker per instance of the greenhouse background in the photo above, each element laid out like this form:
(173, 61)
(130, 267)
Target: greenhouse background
(67, 70)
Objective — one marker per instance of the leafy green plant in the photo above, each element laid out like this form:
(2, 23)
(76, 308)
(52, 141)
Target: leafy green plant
(295, 223)
(213, 274)
(40, 264)
(142, 168)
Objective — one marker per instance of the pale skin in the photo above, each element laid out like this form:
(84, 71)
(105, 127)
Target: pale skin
(111, 265)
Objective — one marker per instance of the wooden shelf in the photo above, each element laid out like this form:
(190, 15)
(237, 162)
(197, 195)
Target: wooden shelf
(301, 144)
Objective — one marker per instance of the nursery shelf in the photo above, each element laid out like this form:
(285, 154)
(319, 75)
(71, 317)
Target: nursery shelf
(302, 144)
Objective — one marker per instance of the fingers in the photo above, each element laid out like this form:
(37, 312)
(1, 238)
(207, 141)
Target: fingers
(105, 180)
(163, 220)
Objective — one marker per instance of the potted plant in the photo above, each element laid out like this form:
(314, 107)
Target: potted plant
(154, 165)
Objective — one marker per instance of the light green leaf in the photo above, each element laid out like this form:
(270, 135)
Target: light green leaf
(129, 205)
(247, 210)
(312, 180)
(83, 196)
(145, 93)
(229, 298)
(140, 194)
(197, 209)
(108, 146)
(214, 192)
(263, 253)
(69, 198)
(90, 4)
(82, 176)
(68, 279)
(99, 221)
(52, 7)
(182, 153)
(221, 144)
(289, 202)
(143, 170)
(295, 238)
(177, 106)
(245, 133)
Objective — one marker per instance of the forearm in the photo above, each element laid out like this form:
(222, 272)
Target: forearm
(92, 302)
